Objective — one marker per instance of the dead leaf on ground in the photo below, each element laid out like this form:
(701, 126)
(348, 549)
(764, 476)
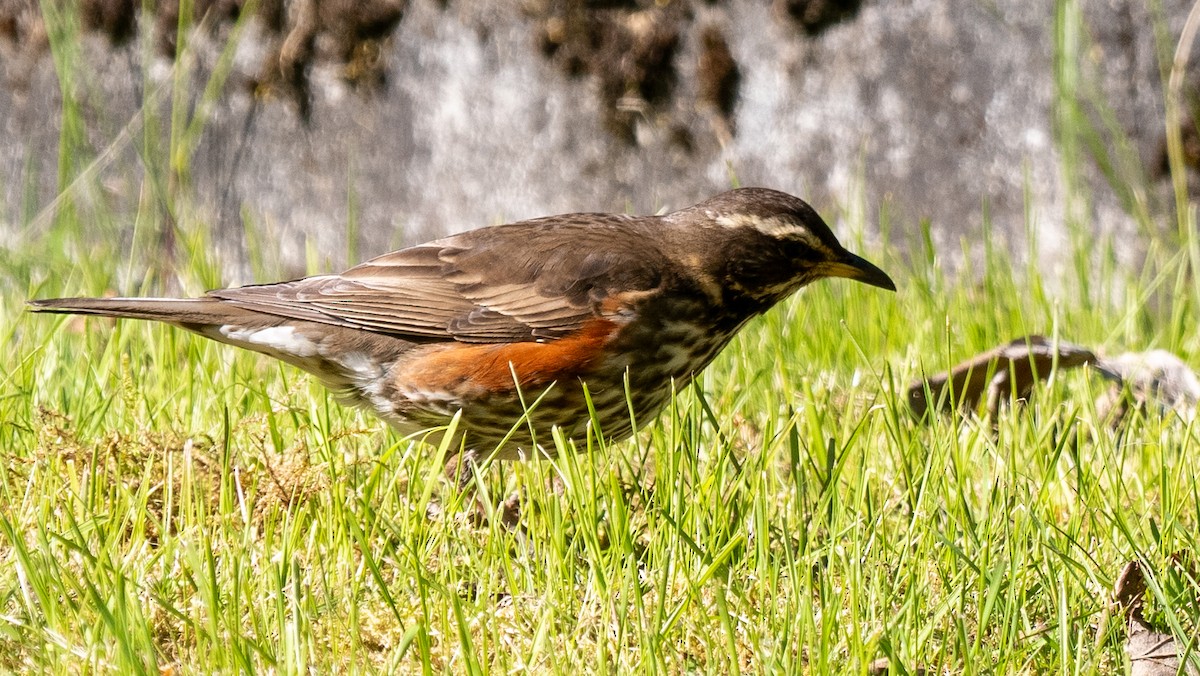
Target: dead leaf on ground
(1006, 372)
(1154, 381)
(1150, 653)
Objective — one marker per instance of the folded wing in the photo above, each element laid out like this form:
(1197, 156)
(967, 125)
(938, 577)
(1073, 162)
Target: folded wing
(534, 280)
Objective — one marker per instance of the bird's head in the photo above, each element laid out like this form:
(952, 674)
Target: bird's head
(770, 244)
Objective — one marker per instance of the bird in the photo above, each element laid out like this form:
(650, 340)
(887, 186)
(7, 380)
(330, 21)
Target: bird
(557, 322)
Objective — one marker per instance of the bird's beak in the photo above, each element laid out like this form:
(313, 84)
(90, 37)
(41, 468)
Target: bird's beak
(860, 270)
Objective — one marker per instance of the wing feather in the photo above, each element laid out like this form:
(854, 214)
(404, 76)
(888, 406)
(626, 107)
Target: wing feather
(487, 285)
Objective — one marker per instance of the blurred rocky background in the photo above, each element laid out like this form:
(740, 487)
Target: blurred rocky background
(350, 128)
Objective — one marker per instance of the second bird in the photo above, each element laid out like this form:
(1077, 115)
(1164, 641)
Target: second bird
(493, 320)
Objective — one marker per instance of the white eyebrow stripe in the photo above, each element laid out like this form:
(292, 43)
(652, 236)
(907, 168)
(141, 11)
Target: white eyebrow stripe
(776, 227)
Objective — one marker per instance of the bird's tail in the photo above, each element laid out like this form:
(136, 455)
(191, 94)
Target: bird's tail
(184, 311)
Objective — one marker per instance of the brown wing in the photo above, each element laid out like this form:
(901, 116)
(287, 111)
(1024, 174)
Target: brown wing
(532, 280)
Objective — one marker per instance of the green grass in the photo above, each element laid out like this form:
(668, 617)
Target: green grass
(171, 503)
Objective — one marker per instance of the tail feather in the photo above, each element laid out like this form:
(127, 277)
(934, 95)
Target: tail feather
(185, 311)
(351, 362)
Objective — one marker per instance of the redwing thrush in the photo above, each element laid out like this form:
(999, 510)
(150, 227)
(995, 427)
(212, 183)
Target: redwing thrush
(493, 320)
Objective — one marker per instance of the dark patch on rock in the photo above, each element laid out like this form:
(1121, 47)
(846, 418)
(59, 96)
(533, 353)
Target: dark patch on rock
(115, 18)
(629, 47)
(343, 32)
(682, 139)
(273, 15)
(21, 23)
(815, 16)
(8, 27)
(286, 69)
(23, 39)
(211, 13)
(1190, 142)
(717, 75)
